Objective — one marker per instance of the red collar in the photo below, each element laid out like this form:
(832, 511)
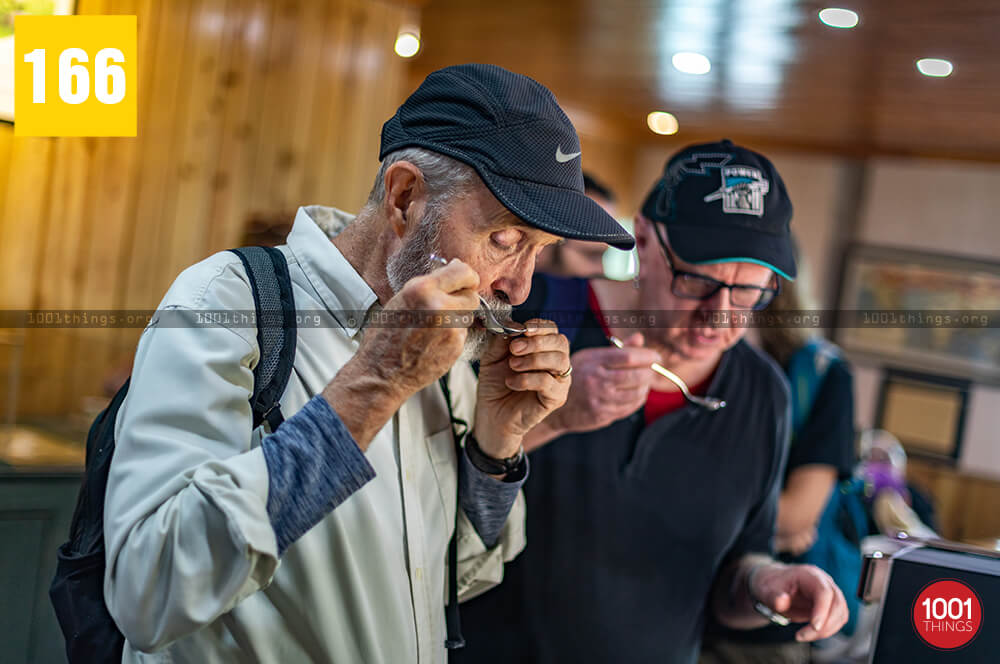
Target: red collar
(658, 403)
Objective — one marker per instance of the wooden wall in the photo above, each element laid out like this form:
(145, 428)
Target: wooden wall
(246, 107)
(965, 505)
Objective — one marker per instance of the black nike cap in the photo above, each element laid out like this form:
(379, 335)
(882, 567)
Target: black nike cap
(722, 203)
(511, 130)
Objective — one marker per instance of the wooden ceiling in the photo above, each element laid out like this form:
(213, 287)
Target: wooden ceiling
(778, 76)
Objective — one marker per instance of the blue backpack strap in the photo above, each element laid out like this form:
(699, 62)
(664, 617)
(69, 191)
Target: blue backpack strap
(837, 551)
(274, 303)
(844, 521)
(566, 302)
(807, 370)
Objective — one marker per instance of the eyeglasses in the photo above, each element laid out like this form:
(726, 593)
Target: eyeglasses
(692, 286)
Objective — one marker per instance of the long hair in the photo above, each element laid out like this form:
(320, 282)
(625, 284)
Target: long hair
(782, 339)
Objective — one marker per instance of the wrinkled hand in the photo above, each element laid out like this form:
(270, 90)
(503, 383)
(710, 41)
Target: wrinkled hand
(802, 593)
(519, 385)
(413, 355)
(795, 543)
(609, 384)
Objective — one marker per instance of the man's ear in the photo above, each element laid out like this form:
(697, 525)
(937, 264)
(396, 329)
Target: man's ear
(405, 195)
(643, 228)
(647, 245)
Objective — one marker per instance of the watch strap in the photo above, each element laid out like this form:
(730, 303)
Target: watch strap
(492, 465)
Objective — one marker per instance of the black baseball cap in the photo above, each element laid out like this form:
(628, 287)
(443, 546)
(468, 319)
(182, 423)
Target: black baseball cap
(510, 129)
(722, 203)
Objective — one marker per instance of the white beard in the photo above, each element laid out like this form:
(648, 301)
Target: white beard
(413, 260)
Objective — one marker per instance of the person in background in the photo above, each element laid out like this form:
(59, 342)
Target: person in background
(895, 504)
(821, 453)
(822, 399)
(649, 514)
(578, 258)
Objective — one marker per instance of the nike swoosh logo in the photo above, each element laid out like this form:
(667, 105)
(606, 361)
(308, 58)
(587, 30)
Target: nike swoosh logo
(562, 157)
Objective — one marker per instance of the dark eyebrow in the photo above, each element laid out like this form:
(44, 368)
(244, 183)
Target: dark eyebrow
(672, 258)
(770, 280)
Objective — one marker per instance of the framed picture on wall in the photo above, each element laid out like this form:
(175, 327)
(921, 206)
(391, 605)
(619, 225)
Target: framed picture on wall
(925, 412)
(8, 10)
(928, 312)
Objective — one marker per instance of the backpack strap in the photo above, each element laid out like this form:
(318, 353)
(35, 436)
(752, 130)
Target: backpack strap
(274, 303)
(453, 623)
(807, 370)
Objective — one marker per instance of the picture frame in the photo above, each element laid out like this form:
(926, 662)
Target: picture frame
(8, 10)
(921, 311)
(925, 412)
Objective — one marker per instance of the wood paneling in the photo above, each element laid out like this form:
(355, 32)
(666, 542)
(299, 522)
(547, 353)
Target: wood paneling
(779, 77)
(965, 505)
(246, 107)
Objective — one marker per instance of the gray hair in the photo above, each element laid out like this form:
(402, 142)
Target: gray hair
(447, 179)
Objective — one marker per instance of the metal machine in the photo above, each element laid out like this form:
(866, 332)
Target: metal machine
(938, 601)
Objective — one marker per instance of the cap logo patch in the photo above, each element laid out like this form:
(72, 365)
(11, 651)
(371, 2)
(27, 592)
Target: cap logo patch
(742, 191)
(697, 163)
(562, 157)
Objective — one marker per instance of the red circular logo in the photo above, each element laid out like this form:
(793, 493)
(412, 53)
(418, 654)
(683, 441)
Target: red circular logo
(947, 614)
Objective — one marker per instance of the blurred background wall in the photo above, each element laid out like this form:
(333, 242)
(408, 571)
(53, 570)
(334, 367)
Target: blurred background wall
(247, 109)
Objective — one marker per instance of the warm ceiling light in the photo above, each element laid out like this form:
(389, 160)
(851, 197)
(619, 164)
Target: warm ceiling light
(838, 18)
(934, 67)
(691, 63)
(407, 44)
(662, 123)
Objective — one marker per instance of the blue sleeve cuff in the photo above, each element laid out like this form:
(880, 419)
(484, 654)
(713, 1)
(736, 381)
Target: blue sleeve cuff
(313, 465)
(485, 499)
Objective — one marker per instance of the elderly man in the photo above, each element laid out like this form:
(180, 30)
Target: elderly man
(326, 540)
(649, 515)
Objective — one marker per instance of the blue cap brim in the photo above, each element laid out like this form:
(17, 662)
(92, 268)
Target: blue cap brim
(700, 245)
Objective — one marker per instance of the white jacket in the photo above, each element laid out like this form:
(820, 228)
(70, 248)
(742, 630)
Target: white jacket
(192, 567)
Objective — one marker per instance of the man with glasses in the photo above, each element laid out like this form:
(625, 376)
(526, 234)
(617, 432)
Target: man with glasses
(649, 515)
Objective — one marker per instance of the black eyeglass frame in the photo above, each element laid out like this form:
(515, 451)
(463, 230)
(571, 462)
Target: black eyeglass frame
(765, 291)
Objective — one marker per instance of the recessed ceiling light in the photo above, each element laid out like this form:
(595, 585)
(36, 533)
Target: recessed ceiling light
(934, 67)
(838, 18)
(662, 123)
(691, 63)
(407, 44)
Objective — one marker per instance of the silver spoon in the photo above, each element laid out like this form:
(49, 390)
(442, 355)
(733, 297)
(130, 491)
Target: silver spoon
(708, 403)
(490, 320)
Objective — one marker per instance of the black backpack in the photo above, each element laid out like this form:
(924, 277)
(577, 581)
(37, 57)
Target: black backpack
(77, 591)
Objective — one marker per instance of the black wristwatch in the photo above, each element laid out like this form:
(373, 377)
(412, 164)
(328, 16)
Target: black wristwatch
(491, 465)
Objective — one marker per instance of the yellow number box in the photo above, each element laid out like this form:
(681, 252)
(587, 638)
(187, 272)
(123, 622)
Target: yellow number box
(75, 76)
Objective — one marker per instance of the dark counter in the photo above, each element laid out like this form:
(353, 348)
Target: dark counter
(36, 507)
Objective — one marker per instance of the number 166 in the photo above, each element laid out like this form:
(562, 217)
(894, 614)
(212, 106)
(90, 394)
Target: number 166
(109, 79)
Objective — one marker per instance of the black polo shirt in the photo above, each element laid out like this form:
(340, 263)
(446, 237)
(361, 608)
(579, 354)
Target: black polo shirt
(826, 438)
(628, 526)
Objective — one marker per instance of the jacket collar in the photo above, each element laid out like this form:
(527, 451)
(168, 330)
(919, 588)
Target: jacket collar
(346, 295)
